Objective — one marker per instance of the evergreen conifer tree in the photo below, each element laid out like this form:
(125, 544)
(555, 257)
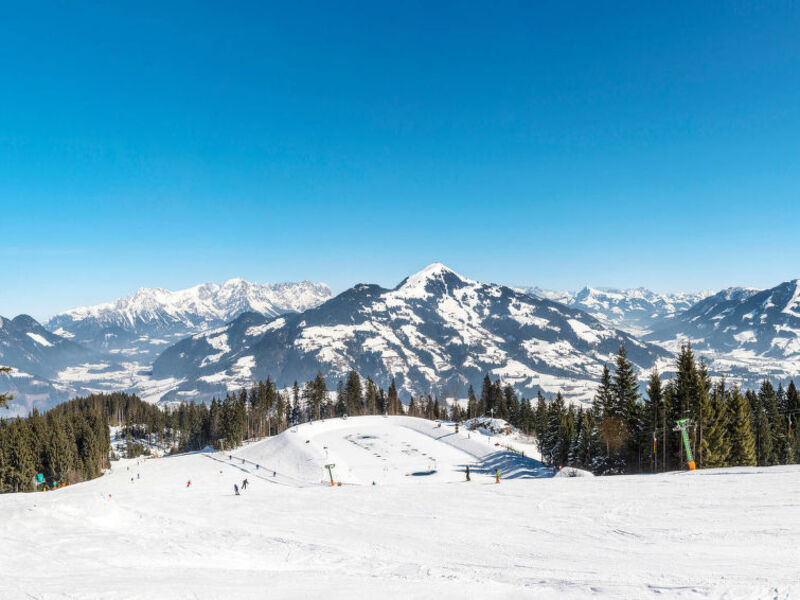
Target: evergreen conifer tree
(653, 419)
(740, 433)
(714, 445)
(394, 400)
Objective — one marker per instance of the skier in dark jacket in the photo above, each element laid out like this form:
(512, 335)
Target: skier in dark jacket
(244, 484)
(235, 489)
(468, 479)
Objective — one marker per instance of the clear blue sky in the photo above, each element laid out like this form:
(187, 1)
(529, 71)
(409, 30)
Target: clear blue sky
(557, 144)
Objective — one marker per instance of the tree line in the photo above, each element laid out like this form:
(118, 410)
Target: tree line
(623, 432)
(70, 443)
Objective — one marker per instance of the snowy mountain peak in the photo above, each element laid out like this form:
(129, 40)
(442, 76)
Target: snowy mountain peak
(417, 285)
(151, 316)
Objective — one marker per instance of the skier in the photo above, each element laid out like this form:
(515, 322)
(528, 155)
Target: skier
(244, 484)
(274, 473)
(497, 476)
(235, 489)
(468, 479)
(137, 476)
(189, 483)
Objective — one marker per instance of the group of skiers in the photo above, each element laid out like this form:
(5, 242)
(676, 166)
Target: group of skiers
(236, 487)
(496, 475)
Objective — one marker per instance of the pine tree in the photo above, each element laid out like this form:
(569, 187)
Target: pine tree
(412, 407)
(371, 398)
(382, 405)
(540, 417)
(685, 402)
(340, 408)
(704, 413)
(740, 433)
(654, 416)
(394, 400)
(764, 453)
(604, 397)
(573, 456)
(793, 419)
(555, 449)
(58, 455)
(20, 463)
(621, 418)
(584, 449)
(353, 393)
(770, 405)
(714, 445)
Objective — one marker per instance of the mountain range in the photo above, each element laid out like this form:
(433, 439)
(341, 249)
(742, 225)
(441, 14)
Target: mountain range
(435, 331)
(636, 311)
(142, 324)
(743, 332)
(111, 346)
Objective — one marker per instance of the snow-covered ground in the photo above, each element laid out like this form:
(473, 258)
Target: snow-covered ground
(729, 533)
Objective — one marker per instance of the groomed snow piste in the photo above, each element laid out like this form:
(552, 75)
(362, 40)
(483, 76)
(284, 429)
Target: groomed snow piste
(420, 532)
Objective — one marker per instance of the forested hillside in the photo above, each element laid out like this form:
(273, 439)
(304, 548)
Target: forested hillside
(621, 432)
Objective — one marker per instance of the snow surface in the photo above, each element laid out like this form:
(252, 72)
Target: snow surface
(726, 533)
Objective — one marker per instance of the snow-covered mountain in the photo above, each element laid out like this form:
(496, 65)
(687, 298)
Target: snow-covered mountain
(26, 345)
(636, 311)
(436, 329)
(36, 355)
(142, 324)
(746, 332)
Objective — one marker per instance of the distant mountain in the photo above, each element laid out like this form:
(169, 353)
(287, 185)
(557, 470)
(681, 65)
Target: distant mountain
(36, 356)
(746, 332)
(636, 311)
(436, 329)
(26, 345)
(139, 326)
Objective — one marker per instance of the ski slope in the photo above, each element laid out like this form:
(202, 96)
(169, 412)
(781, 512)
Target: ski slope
(727, 533)
(396, 450)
